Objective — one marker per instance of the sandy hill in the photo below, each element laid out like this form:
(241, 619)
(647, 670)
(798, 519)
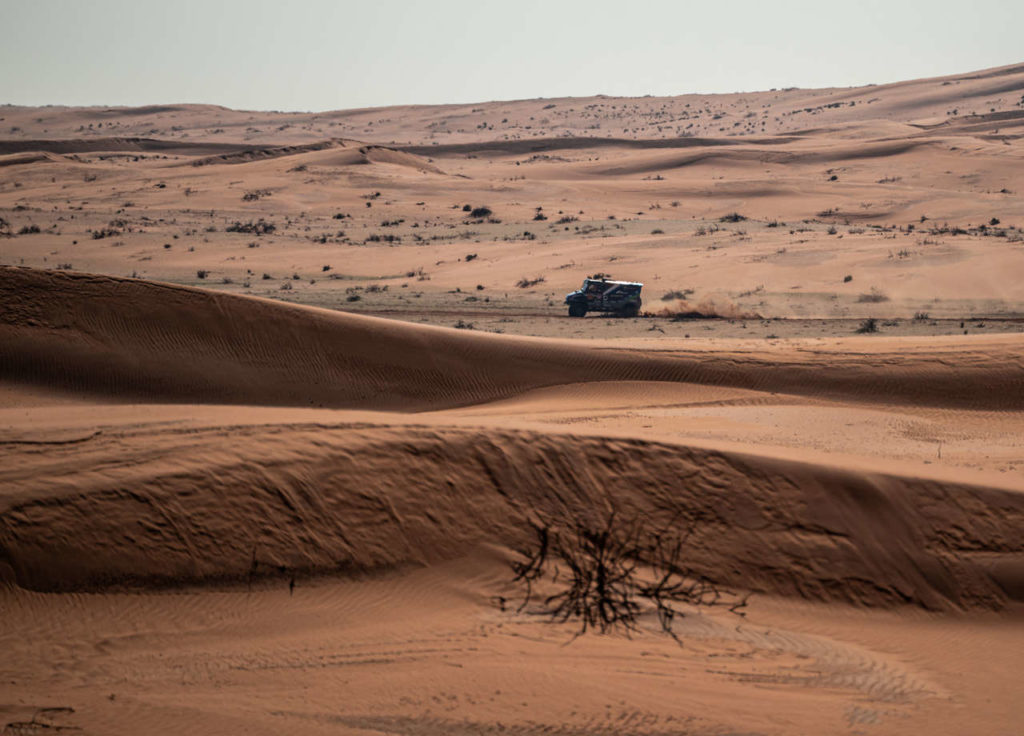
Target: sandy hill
(137, 341)
(971, 97)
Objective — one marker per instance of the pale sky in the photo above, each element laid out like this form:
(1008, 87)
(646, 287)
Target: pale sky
(326, 55)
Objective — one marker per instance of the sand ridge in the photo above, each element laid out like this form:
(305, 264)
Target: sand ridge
(121, 336)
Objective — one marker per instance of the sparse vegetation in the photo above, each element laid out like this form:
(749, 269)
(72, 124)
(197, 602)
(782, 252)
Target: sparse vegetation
(597, 572)
(260, 227)
(526, 283)
(867, 326)
(873, 297)
(386, 238)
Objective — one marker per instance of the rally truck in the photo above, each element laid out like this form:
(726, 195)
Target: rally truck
(601, 295)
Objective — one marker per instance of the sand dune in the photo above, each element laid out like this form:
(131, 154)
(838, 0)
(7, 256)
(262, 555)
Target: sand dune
(129, 338)
(444, 490)
(323, 153)
(30, 157)
(783, 111)
(354, 498)
(76, 145)
(251, 480)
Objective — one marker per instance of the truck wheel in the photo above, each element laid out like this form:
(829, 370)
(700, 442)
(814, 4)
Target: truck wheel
(577, 310)
(630, 310)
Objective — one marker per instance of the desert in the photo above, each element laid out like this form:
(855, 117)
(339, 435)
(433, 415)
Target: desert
(288, 399)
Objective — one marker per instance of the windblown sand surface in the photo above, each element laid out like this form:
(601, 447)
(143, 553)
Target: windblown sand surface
(284, 505)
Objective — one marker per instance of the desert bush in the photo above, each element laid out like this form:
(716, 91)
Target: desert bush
(353, 298)
(921, 316)
(867, 326)
(732, 217)
(470, 257)
(29, 230)
(598, 568)
(847, 278)
(526, 283)
(105, 232)
(461, 325)
(480, 212)
(375, 238)
(202, 273)
(260, 227)
(873, 297)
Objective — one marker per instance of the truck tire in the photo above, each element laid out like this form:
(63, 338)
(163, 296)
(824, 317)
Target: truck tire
(577, 310)
(630, 310)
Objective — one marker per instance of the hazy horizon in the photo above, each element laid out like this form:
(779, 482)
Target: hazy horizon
(320, 55)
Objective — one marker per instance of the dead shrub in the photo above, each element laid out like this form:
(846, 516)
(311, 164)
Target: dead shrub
(526, 283)
(605, 573)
